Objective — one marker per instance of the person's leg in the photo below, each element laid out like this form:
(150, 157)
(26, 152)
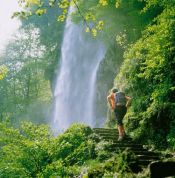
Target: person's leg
(123, 111)
(120, 130)
(120, 112)
(119, 123)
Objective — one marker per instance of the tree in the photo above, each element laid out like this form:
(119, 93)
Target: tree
(25, 85)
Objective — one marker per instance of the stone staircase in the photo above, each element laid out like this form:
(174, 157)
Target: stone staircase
(144, 156)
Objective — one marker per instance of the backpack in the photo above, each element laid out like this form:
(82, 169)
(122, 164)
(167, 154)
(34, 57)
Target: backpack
(120, 98)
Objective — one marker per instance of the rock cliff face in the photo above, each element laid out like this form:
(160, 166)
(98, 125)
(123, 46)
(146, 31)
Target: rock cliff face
(108, 70)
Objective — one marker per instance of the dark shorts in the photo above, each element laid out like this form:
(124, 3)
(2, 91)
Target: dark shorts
(120, 112)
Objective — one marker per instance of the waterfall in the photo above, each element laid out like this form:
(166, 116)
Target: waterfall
(75, 84)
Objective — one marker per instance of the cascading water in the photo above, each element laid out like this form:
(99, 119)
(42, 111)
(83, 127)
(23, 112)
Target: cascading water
(75, 85)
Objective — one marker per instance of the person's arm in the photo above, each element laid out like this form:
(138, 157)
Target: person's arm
(128, 101)
(110, 101)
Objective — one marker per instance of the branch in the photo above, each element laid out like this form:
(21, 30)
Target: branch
(85, 21)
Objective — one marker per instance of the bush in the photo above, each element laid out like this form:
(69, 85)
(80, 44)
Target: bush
(32, 151)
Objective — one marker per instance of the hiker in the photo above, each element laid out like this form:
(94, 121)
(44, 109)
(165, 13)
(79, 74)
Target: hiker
(119, 103)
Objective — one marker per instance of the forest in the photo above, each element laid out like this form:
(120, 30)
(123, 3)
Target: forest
(138, 57)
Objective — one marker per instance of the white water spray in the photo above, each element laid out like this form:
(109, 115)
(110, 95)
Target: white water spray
(75, 85)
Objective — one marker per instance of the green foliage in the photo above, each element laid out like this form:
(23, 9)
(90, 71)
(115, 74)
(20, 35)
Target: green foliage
(32, 151)
(92, 13)
(3, 71)
(51, 34)
(102, 150)
(24, 86)
(71, 140)
(31, 58)
(24, 150)
(170, 136)
(116, 165)
(147, 74)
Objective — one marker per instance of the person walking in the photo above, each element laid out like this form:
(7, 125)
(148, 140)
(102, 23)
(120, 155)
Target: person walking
(119, 103)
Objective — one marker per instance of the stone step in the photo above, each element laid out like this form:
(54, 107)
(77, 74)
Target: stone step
(108, 134)
(96, 130)
(127, 147)
(126, 144)
(106, 131)
(125, 141)
(148, 157)
(112, 136)
(144, 162)
(146, 153)
(144, 156)
(122, 148)
(115, 140)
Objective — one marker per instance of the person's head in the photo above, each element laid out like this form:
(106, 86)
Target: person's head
(114, 90)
